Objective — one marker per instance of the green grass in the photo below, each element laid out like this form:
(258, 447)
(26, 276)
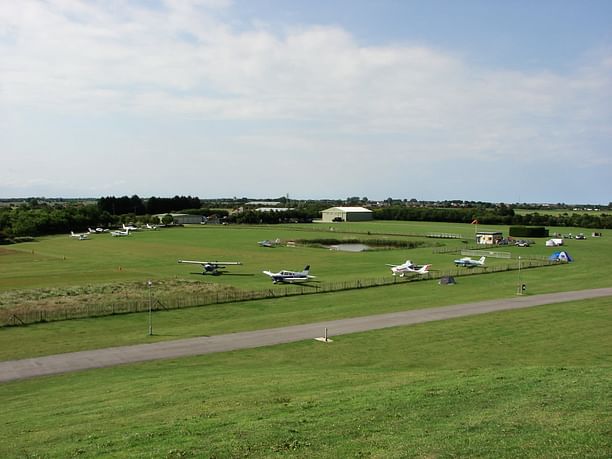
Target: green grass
(528, 383)
(61, 261)
(75, 335)
(590, 270)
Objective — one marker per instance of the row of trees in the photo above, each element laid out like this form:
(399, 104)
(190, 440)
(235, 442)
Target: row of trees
(153, 205)
(270, 218)
(35, 219)
(498, 215)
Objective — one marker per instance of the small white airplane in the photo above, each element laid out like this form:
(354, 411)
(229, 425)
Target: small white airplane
(151, 227)
(79, 236)
(407, 268)
(211, 267)
(269, 243)
(96, 230)
(290, 276)
(130, 228)
(467, 262)
(119, 233)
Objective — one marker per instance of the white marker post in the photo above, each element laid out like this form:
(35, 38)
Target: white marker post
(324, 339)
(150, 284)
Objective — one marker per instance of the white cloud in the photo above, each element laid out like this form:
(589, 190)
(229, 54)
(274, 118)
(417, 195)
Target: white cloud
(184, 60)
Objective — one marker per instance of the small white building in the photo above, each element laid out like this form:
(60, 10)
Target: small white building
(489, 237)
(346, 214)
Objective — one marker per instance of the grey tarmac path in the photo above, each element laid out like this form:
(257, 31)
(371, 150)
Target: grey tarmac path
(98, 358)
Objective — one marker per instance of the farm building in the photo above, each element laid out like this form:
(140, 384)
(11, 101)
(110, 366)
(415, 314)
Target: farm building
(346, 214)
(489, 237)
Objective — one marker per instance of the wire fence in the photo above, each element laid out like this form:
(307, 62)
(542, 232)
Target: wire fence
(160, 301)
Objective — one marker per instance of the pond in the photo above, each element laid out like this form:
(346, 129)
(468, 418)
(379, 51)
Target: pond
(350, 247)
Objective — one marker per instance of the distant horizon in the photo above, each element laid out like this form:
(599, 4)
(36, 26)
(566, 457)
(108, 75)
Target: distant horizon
(228, 198)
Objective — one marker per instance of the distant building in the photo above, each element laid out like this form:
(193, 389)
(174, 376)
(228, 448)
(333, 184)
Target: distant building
(346, 214)
(182, 219)
(273, 209)
(489, 237)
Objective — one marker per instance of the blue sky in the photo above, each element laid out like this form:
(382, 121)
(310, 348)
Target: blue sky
(502, 101)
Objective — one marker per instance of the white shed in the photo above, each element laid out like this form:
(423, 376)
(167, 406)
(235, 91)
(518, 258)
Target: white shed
(489, 237)
(346, 214)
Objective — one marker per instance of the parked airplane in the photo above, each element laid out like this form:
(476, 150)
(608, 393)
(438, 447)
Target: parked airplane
(151, 227)
(80, 236)
(96, 230)
(119, 233)
(268, 243)
(130, 228)
(211, 267)
(467, 262)
(408, 267)
(290, 276)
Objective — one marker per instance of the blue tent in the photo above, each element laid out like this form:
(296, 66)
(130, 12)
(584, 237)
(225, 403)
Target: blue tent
(561, 256)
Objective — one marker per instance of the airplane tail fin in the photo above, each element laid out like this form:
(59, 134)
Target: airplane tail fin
(482, 259)
(424, 269)
(306, 269)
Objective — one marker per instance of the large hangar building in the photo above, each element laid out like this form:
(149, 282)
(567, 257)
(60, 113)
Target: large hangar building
(346, 214)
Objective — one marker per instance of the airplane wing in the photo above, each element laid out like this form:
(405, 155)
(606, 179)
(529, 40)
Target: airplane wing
(194, 262)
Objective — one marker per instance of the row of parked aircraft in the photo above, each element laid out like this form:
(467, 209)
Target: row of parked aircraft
(125, 231)
(286, 276)
(283, 276)
(215, 267)
(410, 268)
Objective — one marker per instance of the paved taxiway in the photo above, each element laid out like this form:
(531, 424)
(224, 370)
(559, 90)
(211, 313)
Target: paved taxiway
(98, 358)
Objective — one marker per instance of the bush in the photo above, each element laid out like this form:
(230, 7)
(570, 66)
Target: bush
(528, 231)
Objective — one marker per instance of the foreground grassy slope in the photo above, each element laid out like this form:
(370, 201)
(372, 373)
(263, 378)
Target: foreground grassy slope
(530, 383)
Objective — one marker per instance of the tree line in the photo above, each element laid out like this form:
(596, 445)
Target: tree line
(153, 205)
(498, 215)
(36, 218)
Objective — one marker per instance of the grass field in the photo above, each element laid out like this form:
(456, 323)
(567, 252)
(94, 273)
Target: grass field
(590, 270)
(531, 383)
(61, 261)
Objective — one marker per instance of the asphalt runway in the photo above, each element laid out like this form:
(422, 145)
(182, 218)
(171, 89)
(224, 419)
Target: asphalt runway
(77, 361)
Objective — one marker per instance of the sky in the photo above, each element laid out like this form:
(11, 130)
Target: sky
(498, 101)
